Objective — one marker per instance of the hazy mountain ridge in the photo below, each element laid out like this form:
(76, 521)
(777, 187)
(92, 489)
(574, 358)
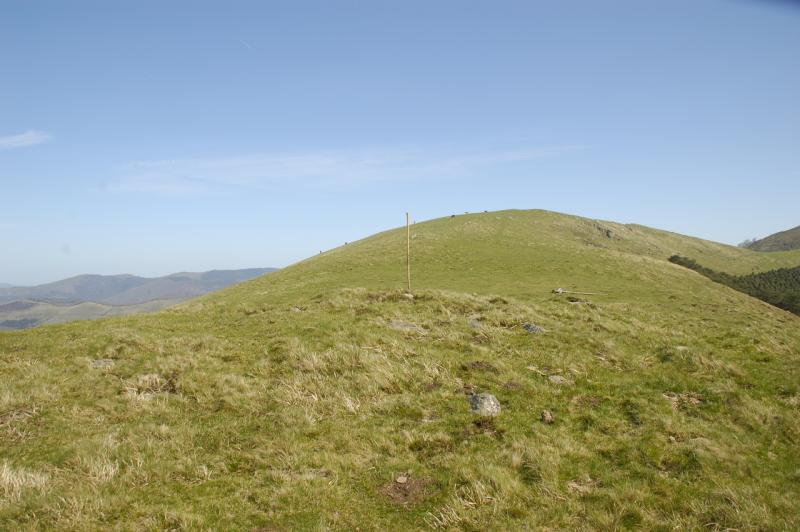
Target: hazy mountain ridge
(781, 241)
(98, 296)
(130, 289)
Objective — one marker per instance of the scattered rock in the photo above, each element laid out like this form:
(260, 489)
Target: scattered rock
(408, 295)
(547, 417)
(605, 231)
(484, 404)
(474, 322)
(558, 291)
(558, 379)
(532, 329)
(402, 479)
(298, 309)
(407, 326)
(103, 363)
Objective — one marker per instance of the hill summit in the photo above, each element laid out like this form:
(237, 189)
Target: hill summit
(783, 241)
(640, 395)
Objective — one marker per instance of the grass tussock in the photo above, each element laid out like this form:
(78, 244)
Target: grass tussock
(15, 480)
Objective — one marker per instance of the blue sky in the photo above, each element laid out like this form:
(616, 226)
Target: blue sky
(149, 137)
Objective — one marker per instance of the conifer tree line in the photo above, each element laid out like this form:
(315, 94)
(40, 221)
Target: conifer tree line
(780, 287)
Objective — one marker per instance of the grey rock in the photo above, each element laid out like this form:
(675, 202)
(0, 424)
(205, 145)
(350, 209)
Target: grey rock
(103, 363)
(474, 322)
(532, 329)
(547, 417)
(484, 404)
(558, 379)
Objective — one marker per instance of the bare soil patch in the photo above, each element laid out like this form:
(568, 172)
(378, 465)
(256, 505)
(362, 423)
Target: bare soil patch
(405, 489)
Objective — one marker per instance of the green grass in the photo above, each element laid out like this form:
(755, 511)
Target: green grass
(292, 402)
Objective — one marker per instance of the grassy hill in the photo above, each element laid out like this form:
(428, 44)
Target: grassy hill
(783, 241)
(320, 396)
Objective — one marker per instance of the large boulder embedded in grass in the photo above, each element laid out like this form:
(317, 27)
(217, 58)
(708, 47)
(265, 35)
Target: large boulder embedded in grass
(484, 404)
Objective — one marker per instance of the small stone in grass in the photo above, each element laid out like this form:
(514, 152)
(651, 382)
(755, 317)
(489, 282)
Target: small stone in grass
(558, 379)
(547, 417)
(532, 329)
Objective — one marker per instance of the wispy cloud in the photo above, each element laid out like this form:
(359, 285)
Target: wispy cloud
(317, 168)
(29, 138)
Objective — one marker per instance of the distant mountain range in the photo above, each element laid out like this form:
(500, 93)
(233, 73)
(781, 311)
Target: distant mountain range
(95, 296)
(5, 285)
(783, 241)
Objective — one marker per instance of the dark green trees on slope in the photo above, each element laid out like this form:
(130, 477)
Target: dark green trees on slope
(780, 287)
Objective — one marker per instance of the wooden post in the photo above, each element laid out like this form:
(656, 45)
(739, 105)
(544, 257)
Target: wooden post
(408, 253)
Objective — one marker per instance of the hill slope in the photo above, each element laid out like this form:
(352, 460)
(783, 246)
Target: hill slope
(321, 397)
(783, 241)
